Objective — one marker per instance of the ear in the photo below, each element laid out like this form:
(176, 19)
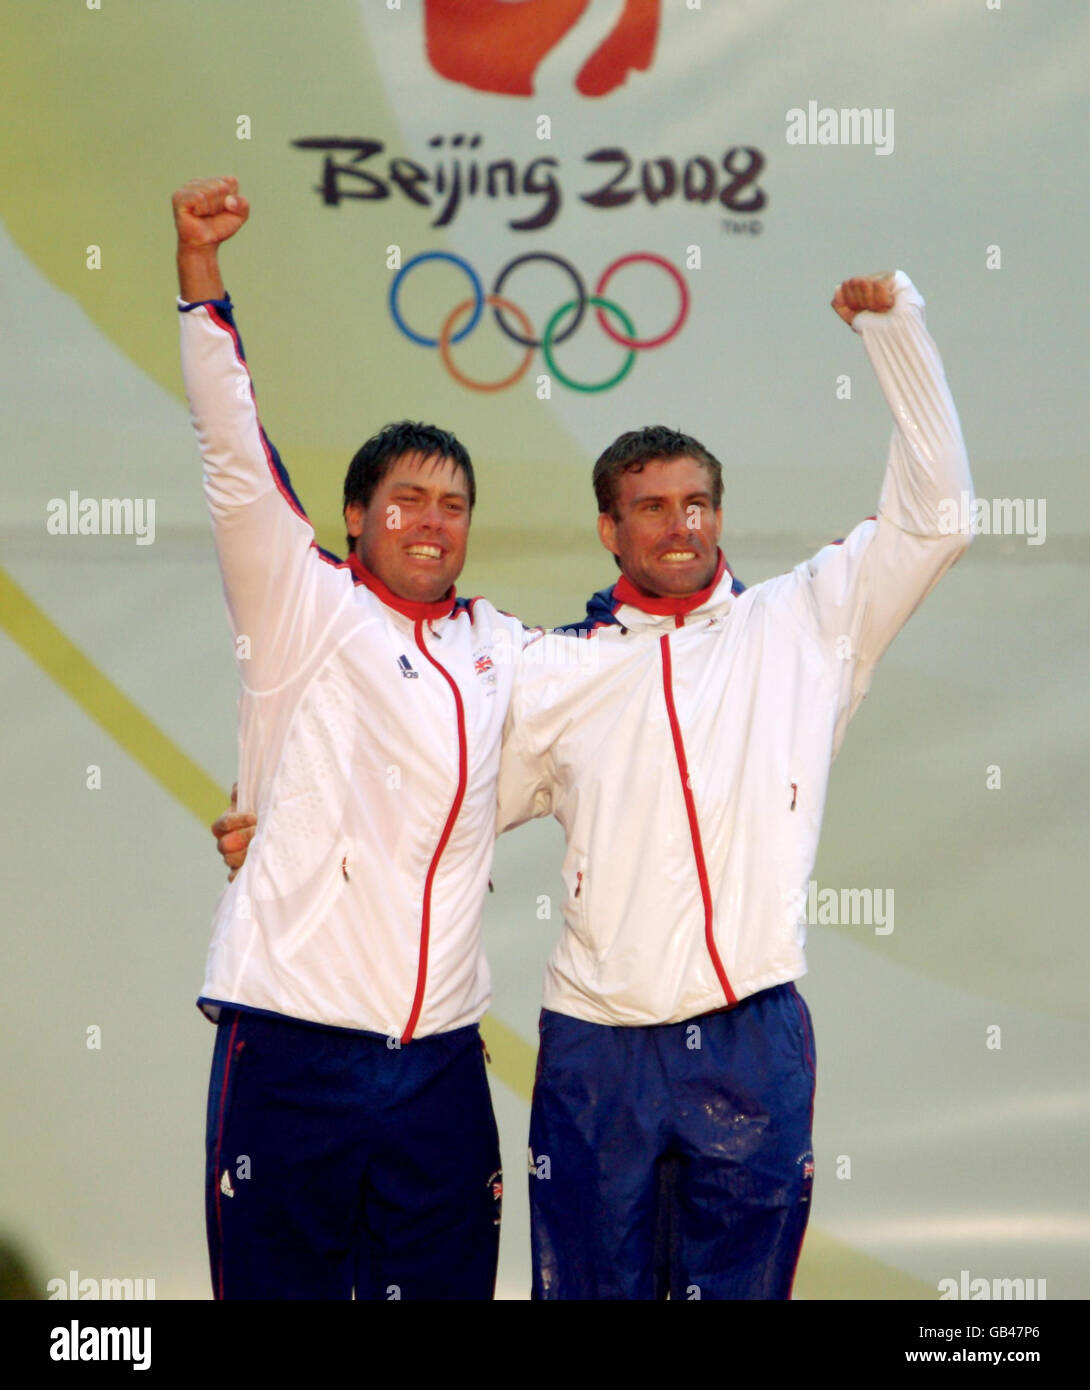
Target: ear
(607, 532)
(353, 519)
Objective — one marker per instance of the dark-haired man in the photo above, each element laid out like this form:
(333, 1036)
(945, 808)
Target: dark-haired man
(670, 1140)
(351, 1145)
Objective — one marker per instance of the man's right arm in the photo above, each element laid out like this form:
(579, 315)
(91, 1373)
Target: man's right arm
(524, 788)
(207, 212)
(272, 569)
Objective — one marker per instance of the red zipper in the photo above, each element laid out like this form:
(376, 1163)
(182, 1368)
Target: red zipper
(694, 826)
(425, 914)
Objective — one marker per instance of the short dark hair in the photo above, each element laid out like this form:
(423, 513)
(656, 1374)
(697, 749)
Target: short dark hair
(374, 459)
(629, 452)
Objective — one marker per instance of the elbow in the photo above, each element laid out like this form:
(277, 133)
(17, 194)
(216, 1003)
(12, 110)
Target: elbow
(954, 520)
(954, 545)
(961, 544)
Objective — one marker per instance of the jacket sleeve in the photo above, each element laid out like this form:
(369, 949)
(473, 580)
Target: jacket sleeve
(281, 590)
(862, 590)
(524, 789)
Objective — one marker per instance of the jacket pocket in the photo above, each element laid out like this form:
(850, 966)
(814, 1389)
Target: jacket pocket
(578, 916)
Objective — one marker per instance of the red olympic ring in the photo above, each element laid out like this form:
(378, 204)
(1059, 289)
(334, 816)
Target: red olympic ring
(674, 328)
(497, 302)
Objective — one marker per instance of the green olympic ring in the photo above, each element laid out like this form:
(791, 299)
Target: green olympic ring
(550, 360)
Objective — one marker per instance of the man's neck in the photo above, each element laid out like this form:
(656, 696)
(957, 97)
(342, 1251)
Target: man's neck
(409, 607)
(668, 605)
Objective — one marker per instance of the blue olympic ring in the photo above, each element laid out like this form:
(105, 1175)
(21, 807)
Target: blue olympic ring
(478, 296)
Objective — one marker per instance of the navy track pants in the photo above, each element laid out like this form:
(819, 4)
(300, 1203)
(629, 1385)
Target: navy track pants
(336, 1163)
(673, 1159)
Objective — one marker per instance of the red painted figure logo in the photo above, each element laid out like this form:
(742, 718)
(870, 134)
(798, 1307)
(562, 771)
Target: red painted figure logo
(496, 45)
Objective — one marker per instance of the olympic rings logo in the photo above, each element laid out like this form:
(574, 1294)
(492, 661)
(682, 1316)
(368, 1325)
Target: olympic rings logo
(504, 309)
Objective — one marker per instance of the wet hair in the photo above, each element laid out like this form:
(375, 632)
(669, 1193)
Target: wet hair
(630, 452)
(374, 459)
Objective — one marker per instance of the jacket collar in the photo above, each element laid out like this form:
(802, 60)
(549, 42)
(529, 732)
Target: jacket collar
(634, 608)
(409, 608)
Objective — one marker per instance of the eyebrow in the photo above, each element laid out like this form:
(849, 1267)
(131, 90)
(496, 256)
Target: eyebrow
(398, 486)
(661, 497)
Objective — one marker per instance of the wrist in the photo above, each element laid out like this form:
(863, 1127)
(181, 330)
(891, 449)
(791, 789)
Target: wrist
(202, 251)
(198, 273)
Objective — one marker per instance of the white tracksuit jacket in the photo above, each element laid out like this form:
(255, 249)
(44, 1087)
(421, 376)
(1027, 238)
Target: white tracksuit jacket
(688, 760)
(369, 744)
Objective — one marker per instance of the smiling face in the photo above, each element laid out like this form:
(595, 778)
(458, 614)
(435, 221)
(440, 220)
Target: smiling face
(665, 527)
(413, 533)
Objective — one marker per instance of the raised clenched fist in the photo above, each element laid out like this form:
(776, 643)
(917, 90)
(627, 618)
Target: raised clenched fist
(873, 293)
(208, 211)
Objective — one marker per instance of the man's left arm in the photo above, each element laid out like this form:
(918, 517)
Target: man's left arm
(865, 588)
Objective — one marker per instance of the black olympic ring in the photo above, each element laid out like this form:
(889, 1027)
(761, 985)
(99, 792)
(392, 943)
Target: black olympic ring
(577, 281)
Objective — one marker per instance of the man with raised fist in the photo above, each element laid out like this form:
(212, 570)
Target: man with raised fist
(351, 1145)
(674, 1090)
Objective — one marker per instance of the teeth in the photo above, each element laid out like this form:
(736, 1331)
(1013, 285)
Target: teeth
(431, 551)
(680, 555)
